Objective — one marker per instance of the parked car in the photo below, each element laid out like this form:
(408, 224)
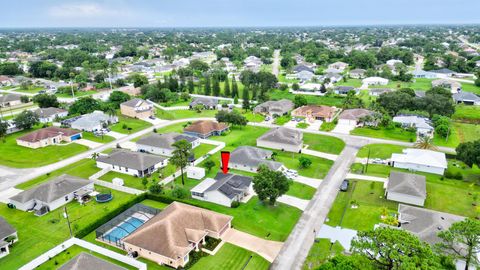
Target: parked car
(344, 185)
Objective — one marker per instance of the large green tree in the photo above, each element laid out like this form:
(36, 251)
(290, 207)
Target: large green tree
(46, 101)
(269, 184)
(469, 153)
(26, 120)
(183, 150)
(3, 129)
(84, 105)
(118, 97)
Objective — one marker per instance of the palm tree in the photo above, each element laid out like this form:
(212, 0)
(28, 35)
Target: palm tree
(425, 142)
(183, 150)
(95, 156)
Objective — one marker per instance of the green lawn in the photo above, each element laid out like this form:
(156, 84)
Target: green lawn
(318, 169)
(316, 100)
(398, 134)
(321, 250)
(68, 254)
(418, 84)
(178, 102)
(451, 141)
(77, 94)
(468, 87)
(127, 122)
(238, 136)
(128, 180)
(466, 132)
(182, 114)
(301, 191)
(39, 234)
(30, 90)
(302, 125)
(467, 113)
(202, 149)
(282, 120)
(322, 143)
(232, 257)
(383, 151)
(100, 139)
(13, 155)
(282, 78)
(350, 82)
(328, 126)
(254, 117)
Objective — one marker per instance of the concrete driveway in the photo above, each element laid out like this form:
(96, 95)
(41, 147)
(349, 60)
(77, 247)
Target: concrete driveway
(315, 125)
(88, 143)
(116, 135)
(266, 248)
(293, 201)
(343, 128)
(313, 182)
(319, 154)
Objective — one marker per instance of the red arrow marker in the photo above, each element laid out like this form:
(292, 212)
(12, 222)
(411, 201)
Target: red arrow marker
(225, 158)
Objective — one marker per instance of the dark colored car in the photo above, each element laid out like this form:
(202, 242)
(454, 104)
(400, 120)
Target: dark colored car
(344, 185)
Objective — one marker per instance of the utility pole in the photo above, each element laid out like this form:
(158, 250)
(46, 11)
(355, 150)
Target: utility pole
(368, 159)
(65, 214)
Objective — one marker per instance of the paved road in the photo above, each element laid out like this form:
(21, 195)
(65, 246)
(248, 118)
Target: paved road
(296, 248)
(276, 63)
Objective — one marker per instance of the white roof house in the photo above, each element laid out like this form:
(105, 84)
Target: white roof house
(392, 62)
(420, 160)
(93, 121)
(375, 81)
(422, 124)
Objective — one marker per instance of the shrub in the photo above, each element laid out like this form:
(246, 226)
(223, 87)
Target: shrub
(124, 126)
(235, 204)
(179, 192)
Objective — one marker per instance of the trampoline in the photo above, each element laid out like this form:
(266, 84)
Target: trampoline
(103, 198)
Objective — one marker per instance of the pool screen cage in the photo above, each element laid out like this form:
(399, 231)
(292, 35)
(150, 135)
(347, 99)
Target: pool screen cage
(137, 209)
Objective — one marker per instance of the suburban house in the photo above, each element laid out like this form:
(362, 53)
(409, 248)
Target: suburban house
(249, 158)
(85, 261)
(303, 76)
(300, 68)
(6, 232)
(205, 128)
(454, 86)
(338, 65)
(310, 87)
(375, 81)
(162, 144)
(421, 124)
(137, 108)
(425, 223)
(333, 77)
(274, 108)
(445, 72)
(93, 121)
(343, 90)
(393, 62)
(132, 163)
(315, 112)
(406, 188)
(224, 189)
(53, 194)
(282, 138)
(378, 91)
(424, 74)
(46, 115)
(357, 73)
(420, 160)
(10, 100)
(11, 126)
(207, 103)
(130, 90)
(6, 81)
(48, 136)
(466, 98)
(353, 117)
(170, 236)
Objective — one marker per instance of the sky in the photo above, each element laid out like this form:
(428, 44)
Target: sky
(234, 13)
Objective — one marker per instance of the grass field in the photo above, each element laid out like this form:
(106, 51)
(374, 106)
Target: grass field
(379, 150)
(317, 100)
(13, 155)
(467, 132)
(321, 250)
(132, 123)
(282, 120)
(99, 139)
(39, 234)
(301, 191)
(398, 134)
(350, 82)
(182, 114)
(77, 94)
(322, 143)
(318, 169)
(467, 113)
(254, 117)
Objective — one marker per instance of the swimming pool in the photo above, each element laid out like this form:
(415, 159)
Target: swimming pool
(124, 229)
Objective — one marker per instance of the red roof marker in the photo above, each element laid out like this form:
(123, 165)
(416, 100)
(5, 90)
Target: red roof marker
(225, 157)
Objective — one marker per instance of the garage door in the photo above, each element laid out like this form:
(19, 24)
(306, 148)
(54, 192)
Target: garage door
(76, 137)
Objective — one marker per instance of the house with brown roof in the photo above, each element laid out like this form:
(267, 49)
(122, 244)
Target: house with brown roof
(170, 236)
(315, 112)
(48, 136)
(205, 128)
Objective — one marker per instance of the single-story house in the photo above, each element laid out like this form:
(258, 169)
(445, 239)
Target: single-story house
(11, 126)
(272, 107)
(132, 163)
(249, 158)
(282, 138)
(53, 194)
(205, 128)
(338, 65)
(10, 100)
(466, 98)
(424, 74)
(224, 189)
(304, 75)
(352, 117)
(324, 113)
(84, 261)
(343, 90)
(48, 136)
(310, 87)
(332, 70)
(454, 86)
(393, 62)
(46, 115)
(130, 90)
(137, 108)
(444, 71)
(162, 144)
(6, 81)
(425, 223)
(300, 68)
(357, 73)
(378, 91)
(375, 81)
(170, 236)
(406, 188)
(207, 103)
(420, 160)
(6, 232)
(93, 121)
(421, 124)
(333, 77)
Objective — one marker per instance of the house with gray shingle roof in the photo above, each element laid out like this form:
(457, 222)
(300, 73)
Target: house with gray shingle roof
(466, 98)
(207, 103)
(52, 194)
(132, 163)
(425, 223)
(46, 115)
(6, 231)
(249, 158)
(93, 121)
(85, 261)
(406, 188)
(162, 144)
(224, 189)
(10, 100)
(282, 138)
(272, 107)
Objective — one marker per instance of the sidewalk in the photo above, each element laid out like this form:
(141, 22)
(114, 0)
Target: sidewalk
(307, 151)
(366, 177)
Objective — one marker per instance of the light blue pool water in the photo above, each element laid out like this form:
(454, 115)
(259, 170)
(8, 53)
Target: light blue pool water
(124, 229)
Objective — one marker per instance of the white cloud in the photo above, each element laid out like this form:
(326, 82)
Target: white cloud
(86, 10)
